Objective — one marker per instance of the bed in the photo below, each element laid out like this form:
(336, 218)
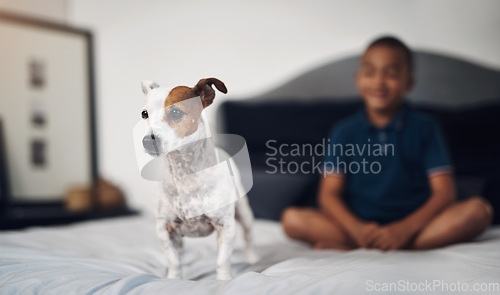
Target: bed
(123, 256)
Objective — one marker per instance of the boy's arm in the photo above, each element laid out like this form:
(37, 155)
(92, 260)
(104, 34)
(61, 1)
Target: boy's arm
(332, 204)
(397, 234)
(436, 161)
(442, 195)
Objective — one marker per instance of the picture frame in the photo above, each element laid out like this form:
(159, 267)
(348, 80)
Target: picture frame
(47, 108)
(4, 182)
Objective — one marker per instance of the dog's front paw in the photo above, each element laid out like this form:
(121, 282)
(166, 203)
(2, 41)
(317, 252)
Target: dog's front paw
(173, 274)
(224, 276)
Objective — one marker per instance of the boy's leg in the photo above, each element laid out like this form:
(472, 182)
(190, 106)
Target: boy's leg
(459, 222)
(312, 226)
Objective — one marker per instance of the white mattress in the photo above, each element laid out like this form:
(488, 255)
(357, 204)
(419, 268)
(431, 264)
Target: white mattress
(122, 255)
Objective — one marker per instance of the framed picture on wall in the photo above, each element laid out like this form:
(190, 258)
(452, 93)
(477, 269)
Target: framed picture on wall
(46, 109)
(4, 182)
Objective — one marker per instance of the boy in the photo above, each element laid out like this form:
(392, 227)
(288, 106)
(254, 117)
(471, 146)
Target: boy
(410, 201)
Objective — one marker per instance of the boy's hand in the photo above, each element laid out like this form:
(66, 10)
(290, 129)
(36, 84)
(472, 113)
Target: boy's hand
(391, 237)
(364, 233)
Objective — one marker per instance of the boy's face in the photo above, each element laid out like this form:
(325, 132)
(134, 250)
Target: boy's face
(383, 78)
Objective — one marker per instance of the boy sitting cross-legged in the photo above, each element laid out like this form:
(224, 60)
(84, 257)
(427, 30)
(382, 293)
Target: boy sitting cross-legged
(410, 203)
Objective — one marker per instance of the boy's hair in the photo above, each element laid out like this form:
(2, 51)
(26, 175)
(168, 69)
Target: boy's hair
(395, 43)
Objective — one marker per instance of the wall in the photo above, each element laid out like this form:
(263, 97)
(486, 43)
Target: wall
(52, 10)
(252, 47)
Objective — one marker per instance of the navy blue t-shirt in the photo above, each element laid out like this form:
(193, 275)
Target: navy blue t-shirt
(387, 169)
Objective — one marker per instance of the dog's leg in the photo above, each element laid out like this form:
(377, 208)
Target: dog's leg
(225, 238)
(171, 244)
(245, 217)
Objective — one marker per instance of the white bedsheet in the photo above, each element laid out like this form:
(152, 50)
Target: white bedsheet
(122, 255)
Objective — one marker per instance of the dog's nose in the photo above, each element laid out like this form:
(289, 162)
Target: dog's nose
(150, 143)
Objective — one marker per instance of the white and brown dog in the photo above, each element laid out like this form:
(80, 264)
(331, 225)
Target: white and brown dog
(176, 132)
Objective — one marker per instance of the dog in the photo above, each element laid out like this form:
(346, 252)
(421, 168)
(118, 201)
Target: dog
(176, 131)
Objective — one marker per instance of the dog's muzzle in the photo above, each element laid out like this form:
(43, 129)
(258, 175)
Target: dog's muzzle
(152, 144)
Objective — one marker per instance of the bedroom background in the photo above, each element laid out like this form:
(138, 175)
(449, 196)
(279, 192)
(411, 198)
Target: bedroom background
(252, 47)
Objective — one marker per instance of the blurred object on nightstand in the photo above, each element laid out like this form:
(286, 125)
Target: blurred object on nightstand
(79, 199)
(109, 196)
(104, 196)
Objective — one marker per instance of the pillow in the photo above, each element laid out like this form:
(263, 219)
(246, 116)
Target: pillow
(272, 193)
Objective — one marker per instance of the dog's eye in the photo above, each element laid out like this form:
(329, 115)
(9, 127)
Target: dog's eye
(176, 114)
(145, 115)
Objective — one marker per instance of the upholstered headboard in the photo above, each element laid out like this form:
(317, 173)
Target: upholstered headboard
(440, 80)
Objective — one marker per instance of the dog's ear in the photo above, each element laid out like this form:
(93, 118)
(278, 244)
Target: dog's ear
(205, 91)
(148, 85)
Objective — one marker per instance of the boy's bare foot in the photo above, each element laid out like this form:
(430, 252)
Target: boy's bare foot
(364, 233)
